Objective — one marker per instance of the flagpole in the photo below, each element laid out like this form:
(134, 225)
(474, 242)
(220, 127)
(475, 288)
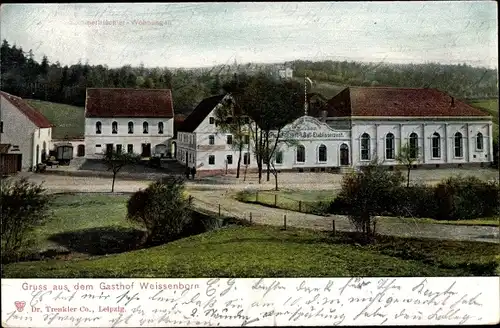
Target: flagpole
(305, 95)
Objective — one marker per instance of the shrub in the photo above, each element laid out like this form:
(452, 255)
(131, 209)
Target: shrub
(23, 206)
(463, 198)
(367, 194)
(162, 209)
(413, 201)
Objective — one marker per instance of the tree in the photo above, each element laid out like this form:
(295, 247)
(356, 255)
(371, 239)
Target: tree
(368, 193)
(115, 161)
(24, 206)
(162, 209)
(408, 156)
(270, 105)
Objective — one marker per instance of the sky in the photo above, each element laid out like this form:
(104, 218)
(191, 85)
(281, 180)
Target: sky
(206, 34)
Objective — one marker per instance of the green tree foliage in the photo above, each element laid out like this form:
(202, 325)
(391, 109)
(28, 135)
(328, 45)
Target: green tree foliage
(366, 195)
(23, 206)
(162, 209)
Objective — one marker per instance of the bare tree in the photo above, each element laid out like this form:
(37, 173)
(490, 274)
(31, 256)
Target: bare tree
(408, 156)
(115, 161)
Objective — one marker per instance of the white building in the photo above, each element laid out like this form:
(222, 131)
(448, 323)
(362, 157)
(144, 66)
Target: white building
(359, 125)
(139, 121)
(25, 135)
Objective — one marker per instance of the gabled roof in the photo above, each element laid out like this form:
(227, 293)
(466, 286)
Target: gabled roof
(32, 114)
(200, 113)
(124, 102)
(398, 102)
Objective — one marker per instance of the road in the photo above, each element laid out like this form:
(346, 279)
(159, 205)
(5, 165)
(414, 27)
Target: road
(209, 194)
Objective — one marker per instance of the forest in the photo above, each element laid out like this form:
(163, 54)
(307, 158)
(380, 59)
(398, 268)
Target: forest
(48, 80)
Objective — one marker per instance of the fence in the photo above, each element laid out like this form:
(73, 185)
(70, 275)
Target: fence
(287, 203)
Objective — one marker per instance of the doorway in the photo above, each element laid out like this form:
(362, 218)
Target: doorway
(344, 155)
(80, 151)
(109, 148)
(146, 150)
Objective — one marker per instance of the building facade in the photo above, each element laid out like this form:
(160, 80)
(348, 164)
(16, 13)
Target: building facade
(139, 121)
(355, 128)
(25, 134)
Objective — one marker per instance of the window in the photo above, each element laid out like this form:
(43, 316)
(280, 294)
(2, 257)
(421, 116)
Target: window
(211, 160)
(130, 149)
(246, 139)
(211, 120)
(145, 128)
(1, 127)
(459, 149)
(301, 154)
(211, 140)
(160, 128)
(436, 145)
(98, 127)
(479, 141)
(229, 159)
(246, 159)
(389, 146)
(322, 153)
(279, 157)
(130, 127)
(229, 139)
(119, 149)
(98, 149)
(114, 128)
(413, 145)
(365, 147)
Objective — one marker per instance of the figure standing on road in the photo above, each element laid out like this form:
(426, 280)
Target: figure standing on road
(193, 172)
(187, 172)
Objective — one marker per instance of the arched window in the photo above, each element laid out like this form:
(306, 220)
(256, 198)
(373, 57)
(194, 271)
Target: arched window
(98, 128)
(130, 127)
(301, 154)
(145, 128)
(365, 147)
(436, 145)
(322, 153)
(389, 146)
(211, 140)
(160, 128)
(479, 141)
(114, 128)
(413, 145)
(459, 149)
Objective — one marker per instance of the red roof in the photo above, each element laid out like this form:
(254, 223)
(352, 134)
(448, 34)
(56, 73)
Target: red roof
(32, 114)
(121, 102)
(397, 102)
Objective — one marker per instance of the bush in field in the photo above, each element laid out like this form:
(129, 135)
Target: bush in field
(162, 209)
(23, 206)
(414, 201)
(463, 198)
(367, 194)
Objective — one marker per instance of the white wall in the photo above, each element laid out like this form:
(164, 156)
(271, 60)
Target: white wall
(123, 137)
(18, 131)
(425, 129)
(41, 139)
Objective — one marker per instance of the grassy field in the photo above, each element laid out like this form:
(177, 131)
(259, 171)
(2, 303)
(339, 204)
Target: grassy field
(261, 250)
(306, 201)
(79, 221)
(489, 106)
(68, 120)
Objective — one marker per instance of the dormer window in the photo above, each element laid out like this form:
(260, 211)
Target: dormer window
(98, 128)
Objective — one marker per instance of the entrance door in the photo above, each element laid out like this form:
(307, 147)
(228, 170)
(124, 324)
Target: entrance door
(109, 148)
(344, 155)
(146, 150)
(80, 151)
